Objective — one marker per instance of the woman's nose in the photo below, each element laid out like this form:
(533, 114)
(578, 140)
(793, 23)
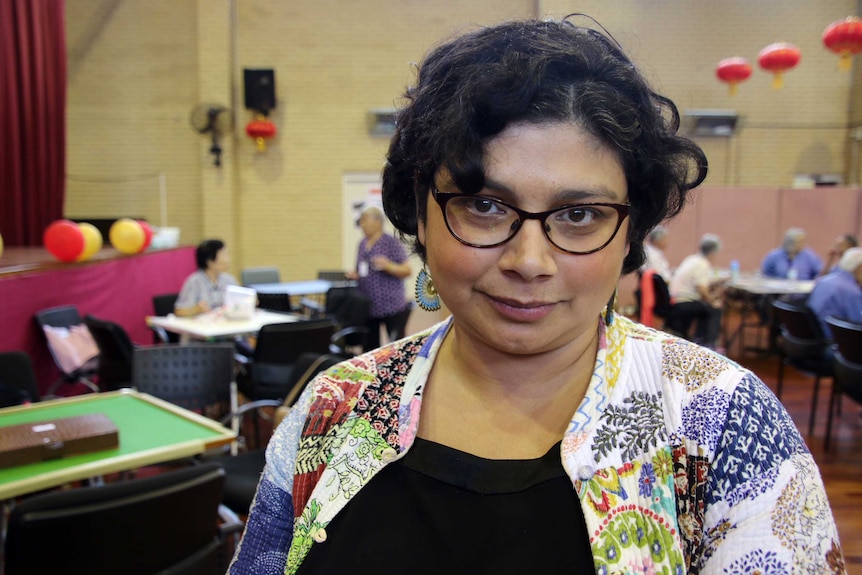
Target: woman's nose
(529, 253)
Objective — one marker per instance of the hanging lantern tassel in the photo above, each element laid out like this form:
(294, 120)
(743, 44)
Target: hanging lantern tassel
(778, 58)
(733, 71)
(844, 37)
(261, 130)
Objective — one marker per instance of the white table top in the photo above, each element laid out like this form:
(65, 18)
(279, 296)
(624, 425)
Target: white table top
(299, 288)
(214, 325)
(759, 285)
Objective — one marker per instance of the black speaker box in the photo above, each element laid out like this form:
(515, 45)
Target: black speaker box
(259, 89)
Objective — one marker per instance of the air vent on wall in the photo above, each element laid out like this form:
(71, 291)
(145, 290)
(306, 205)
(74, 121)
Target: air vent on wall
(710, 123)
(381, 122)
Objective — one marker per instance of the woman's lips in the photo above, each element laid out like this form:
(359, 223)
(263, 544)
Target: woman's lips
(523, 311)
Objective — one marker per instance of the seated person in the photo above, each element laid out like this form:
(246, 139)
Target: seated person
(696, 294)
(839, 294)
(842, 244)
(204, 289)
(792, 260)
(654, 257)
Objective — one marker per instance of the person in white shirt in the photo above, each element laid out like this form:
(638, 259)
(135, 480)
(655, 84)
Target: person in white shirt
(695, 292)
(654, 258)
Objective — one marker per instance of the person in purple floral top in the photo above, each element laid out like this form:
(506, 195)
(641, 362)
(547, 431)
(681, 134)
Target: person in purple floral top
(381, 266)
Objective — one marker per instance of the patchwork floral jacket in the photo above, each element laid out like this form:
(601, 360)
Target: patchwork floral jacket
(683, 461)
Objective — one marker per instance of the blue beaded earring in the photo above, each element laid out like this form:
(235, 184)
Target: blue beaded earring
(609, 310)
(426, 295)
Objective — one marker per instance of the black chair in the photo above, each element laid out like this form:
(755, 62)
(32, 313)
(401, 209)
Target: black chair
(846, 366)
(350, 311)
(674, 319)
(261, 275)
(267, 374)
(115, 353)
(196, 376)
(17, 379)
(243, 470)
(275, 302)
(803, 346)
(74, 369)
(163, 524)
(164, 305)
(332, 275)
(264, 379)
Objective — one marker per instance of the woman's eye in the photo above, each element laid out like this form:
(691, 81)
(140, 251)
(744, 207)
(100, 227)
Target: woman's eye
(484, 206)
(579, 215)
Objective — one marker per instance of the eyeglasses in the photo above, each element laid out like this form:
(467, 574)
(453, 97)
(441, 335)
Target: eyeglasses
(483, 222)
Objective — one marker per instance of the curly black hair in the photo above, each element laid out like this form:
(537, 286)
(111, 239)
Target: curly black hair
(470, 89)
(207, 251)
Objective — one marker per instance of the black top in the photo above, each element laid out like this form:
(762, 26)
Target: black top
(442, 511)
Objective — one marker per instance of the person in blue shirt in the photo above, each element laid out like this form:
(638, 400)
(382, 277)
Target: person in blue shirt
(839, 294)
(842, 243)
(792, 260)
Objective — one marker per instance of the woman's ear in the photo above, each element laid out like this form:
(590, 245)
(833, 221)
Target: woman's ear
(420, 231)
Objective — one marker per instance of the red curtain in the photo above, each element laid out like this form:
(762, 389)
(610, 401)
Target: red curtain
(32, 118)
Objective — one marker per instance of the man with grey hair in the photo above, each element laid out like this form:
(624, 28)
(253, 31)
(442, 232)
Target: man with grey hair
(839, 294)
(697, 294)
(655, 259)
(792, 260)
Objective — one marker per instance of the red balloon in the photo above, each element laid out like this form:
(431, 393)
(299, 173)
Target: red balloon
(64, 239)
(148, 234)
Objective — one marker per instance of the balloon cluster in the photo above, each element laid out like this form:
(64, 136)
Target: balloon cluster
(71, 242)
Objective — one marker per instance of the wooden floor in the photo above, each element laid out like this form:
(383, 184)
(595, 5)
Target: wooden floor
(841, 467)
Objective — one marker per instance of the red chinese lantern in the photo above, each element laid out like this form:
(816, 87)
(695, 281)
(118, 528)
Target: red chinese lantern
(733, 71)
(261, 130)
(778, 58)
(844, 37)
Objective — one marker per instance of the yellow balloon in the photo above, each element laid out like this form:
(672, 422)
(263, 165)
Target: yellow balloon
(127, 236)
(1, 245)
(92, 241)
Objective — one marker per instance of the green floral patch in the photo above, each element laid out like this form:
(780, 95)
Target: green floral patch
(636, 540)
(633, 428)
(303, 530)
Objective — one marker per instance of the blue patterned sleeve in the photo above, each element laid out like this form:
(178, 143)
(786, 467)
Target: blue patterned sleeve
(269, 530)
(766, 506)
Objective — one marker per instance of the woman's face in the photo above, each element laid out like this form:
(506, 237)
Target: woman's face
(221, 263)
(526, 296)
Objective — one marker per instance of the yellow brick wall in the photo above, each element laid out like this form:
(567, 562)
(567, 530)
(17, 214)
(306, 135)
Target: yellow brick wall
(136, 69)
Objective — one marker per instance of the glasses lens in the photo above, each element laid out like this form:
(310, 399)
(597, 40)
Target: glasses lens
(484, 222)
(582, 228)
(480, 221)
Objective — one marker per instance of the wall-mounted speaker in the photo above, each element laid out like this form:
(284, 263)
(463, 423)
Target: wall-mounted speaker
(381, 122)
(710, 123)
(259, 89)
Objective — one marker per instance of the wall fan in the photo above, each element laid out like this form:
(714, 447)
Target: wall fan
(214, 120)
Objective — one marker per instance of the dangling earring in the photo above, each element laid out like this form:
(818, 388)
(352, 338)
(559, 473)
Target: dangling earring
(426, 294)
(609, 310)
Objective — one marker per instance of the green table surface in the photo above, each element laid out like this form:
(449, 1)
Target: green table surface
(150, 431)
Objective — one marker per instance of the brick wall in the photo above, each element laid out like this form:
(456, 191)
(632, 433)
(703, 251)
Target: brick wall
(136, 70)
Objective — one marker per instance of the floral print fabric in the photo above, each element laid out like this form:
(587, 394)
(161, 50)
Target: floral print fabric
(684, 462)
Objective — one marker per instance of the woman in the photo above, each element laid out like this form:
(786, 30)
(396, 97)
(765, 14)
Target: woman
(381, 266)
(534, 431)
(204, 289)
(698, 293)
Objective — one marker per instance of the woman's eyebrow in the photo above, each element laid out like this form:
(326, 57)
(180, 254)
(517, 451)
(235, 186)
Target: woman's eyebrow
(566, 196)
